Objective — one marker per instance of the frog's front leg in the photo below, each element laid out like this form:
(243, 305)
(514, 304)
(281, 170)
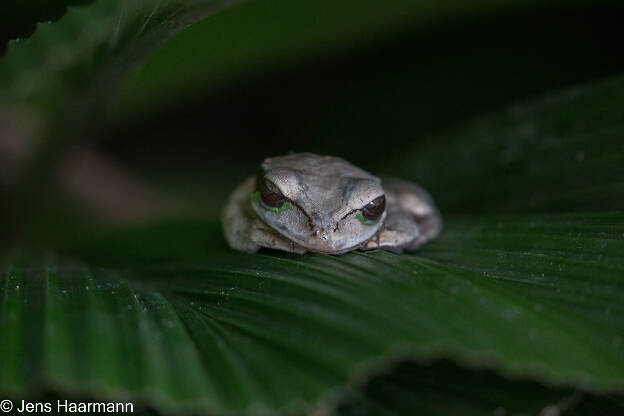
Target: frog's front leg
(244, 231)
(412, 218)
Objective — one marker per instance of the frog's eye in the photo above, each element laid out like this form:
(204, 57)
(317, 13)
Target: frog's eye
(270, 194)
(270, 197)
(374, 209)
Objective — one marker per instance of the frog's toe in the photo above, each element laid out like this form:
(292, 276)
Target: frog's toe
(399, 230)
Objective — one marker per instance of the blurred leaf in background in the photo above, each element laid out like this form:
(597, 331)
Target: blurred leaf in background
(116, 282)
(18, 18)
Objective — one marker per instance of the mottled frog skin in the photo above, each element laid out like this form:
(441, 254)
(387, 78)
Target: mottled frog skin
(307, 202)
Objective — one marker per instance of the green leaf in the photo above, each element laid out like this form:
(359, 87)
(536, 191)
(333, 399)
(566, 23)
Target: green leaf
(79, 61)
(433, 389)
(219, 331)
(90, 49)
(264, 34)
(59, 80)
(18, 18)
(562, 153)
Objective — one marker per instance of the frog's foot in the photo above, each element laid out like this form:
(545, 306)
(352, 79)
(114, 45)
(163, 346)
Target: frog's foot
(244, 231)
(411, 221)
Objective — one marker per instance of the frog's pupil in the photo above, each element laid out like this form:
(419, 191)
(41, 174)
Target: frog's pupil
(271, 197)
(374, 209)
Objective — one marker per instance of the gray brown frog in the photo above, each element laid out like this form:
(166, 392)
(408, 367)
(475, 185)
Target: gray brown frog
(307, 202)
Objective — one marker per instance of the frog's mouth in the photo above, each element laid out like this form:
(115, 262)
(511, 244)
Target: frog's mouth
(329, 248)
(318, 248)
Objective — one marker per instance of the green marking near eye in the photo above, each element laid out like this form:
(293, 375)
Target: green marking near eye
(285, 206)
(363, 220)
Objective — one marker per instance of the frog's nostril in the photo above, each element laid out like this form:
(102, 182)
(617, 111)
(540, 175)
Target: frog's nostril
(320, 232)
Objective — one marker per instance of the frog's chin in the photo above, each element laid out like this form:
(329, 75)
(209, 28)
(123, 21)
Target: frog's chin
(331, 250)
(327, 250)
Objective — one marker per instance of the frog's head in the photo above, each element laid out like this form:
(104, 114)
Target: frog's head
(321, 203)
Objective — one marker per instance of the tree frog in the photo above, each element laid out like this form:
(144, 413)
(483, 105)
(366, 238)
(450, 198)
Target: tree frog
(306, 202)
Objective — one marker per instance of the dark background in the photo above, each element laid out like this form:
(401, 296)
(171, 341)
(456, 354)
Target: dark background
(367, 103)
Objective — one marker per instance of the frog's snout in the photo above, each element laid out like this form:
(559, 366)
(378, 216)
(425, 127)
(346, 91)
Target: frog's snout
(320, 232)
(322, 225)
